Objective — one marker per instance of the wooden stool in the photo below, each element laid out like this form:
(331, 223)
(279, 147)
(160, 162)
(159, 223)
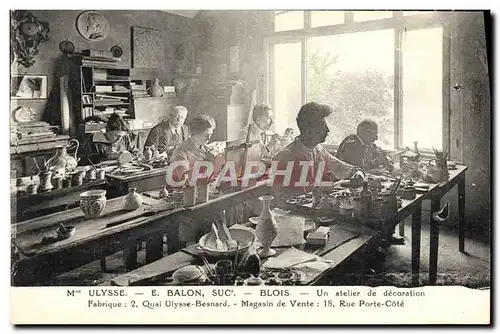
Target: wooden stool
(438, 218)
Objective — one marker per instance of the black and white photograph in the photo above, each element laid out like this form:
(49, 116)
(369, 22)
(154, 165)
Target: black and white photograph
(28, 87)
(328, 149)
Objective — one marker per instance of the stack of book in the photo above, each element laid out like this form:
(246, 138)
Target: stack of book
(32, 132)
(100, 61)
(139, 89)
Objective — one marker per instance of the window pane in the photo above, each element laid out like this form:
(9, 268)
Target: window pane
(286, 85)
(354, 73)
(326, 18)
(371, 15)
(423, 88)
(291, 20)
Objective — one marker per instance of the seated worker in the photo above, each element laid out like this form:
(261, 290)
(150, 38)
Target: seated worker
(168, 134)
(108, 145)
(260, 129)
(193, 149)
(360, 149)
(307, 148)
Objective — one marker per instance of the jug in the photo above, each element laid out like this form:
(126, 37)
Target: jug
(62, 163)
(156, 88)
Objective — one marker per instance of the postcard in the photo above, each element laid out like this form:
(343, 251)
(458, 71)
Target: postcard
(304, 167)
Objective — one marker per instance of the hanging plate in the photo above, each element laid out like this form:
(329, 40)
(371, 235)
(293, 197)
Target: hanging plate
(24, 114)
(67, 47)
(117, 51)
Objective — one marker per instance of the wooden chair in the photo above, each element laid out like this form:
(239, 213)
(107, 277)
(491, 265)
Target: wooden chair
(438, 218)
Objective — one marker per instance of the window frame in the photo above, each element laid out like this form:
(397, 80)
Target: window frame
(400, 24)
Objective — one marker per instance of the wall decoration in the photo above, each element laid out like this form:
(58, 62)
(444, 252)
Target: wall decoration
(25, 114)
(148, 49)
(28, 87)
(92, 26)
(27, 32)
(117, 51)
(67, 47)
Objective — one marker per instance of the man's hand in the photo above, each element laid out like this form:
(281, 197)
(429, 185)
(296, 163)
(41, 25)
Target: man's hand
(275, 139)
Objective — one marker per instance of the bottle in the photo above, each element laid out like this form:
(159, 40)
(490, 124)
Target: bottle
(366, 200)
(253, 263)
(156, 88)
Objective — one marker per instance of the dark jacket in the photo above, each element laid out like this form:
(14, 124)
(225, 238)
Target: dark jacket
(98, 148)
(356, 153)
(161, 136)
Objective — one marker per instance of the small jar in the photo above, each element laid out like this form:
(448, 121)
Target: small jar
(91, 174)
(32, 189)
(67, 183)
(203, 193)
(378, 206)
(101, 174)
(391, 204)
(356, 203)
(178, 197)
(57, 182)
(409, 193)
(190, 194)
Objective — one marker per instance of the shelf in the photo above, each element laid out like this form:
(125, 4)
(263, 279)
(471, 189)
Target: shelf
(112, 80)
(111, 104)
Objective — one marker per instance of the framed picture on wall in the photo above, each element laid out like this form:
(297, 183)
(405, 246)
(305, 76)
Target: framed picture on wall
(28, 86)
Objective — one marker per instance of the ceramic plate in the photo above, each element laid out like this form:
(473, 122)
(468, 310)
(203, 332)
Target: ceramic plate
(25, 114)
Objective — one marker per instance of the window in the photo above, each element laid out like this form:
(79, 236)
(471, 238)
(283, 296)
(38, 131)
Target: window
(327, 18)
(354, 73)
(360, 16)
(286, 84)
(422, 88)
(382, 71)
(288, 20)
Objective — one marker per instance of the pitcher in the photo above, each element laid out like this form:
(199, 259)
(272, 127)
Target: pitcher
(62, 163)
(156, 88)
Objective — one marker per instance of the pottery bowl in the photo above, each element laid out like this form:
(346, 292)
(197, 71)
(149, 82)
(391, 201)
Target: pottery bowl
(92, 203)
(246, 238)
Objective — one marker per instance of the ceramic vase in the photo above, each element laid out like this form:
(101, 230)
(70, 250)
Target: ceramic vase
(156, 89)
(92, 203)
(133, 200)
(163, 192)
(267, 228)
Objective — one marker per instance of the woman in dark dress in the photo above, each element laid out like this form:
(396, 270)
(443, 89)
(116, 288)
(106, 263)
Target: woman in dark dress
(102, 146)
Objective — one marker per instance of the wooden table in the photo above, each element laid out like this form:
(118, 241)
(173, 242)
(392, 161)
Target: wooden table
(164, 267)
(367, 240)
(93, 239)
(31, 206)
(434, 194)
(143, 181)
